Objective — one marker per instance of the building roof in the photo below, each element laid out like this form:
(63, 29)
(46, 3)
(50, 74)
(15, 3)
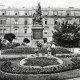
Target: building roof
(33, 8)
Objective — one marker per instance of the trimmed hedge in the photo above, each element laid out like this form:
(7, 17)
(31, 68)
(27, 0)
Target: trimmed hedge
(31, 50)
(23, 50)
(61, 50)
(76, 60)
(68, 55)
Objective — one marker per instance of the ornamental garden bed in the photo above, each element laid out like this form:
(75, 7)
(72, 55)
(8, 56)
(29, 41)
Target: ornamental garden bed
(63, 75)
(40, 61)
(17, 69)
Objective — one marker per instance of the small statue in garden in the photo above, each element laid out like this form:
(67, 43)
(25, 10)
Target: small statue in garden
(38, 47)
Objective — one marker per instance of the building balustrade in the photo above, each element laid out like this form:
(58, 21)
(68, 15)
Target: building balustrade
(62, 16)
(44, 16)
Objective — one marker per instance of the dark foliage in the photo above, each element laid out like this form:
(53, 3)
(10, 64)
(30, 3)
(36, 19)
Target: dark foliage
(76, 60)
(6, 65)
(67, 35)
(9, 37)
(2, 46)
(39, 45)
(26, 40)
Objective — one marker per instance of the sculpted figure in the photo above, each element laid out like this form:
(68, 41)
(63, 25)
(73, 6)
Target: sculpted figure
(37, 16)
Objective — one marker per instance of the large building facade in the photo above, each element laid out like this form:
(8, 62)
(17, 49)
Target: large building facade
(19, 21)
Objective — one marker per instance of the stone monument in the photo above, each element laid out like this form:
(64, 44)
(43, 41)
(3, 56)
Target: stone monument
(37, 28)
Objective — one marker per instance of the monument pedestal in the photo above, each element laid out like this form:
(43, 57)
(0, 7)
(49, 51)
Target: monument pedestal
(37, 33)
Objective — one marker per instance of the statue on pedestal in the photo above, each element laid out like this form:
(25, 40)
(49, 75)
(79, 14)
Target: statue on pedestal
(37, 16)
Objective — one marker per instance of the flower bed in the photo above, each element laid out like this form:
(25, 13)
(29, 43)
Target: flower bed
(17, 69)
(40, 61)
(31, 70)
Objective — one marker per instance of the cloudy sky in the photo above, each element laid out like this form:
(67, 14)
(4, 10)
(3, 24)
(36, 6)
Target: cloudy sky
(44, 3)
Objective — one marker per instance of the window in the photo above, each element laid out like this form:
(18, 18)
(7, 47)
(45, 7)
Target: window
(0, 30)
(45, 31)
(25, 22)
(46, 13)
(16, 13)
(45, 22)
(67, 14)
(2, 21)
(50, 12)
(4, 30)
(55, 13)
(16, 31)
(55, 22)
(3, 14)
(16, 22)
(25, 30)
(25, 13)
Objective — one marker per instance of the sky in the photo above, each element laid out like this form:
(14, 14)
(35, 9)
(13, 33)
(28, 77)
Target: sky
(44, 3)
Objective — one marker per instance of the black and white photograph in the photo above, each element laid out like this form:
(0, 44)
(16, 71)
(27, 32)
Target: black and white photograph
(39, 39)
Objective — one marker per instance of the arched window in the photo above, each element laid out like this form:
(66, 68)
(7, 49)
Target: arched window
(15, 30)
(3, 12)
(68, 13)
(16, 12)
(25, 14)
(25, 30)
(46, 21)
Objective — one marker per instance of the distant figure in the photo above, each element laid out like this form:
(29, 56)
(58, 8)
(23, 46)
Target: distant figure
(52, 45)
(49, 48)
(53, 52)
